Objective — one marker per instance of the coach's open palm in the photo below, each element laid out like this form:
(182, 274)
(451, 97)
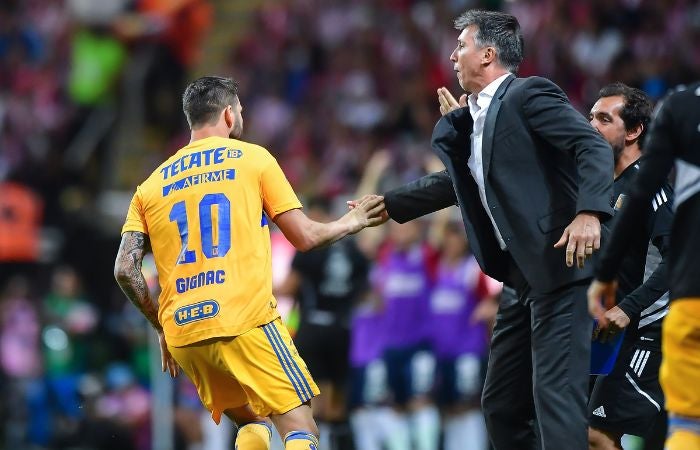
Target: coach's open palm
(447, 101)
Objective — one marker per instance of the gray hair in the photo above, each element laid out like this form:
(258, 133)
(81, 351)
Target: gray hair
(498, 30)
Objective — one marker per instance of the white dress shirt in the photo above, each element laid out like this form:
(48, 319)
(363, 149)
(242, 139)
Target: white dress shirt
(478, 107)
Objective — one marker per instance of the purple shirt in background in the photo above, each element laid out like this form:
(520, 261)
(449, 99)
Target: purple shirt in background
(366, 336)
(20, 355)
(452, 303)
(402, 279)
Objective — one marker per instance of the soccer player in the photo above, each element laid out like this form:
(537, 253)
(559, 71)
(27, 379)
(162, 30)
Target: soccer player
(204, 215)
(674, 136)
(629, 400)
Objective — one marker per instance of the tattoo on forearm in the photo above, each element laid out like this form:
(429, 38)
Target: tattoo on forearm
(133, 247)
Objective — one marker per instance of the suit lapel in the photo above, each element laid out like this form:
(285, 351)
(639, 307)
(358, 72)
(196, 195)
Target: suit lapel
(490, 124)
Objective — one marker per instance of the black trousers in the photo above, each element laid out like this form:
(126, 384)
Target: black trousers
(536, 387)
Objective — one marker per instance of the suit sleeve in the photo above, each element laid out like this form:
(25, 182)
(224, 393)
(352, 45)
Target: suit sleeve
(552, 118)
(431, 193)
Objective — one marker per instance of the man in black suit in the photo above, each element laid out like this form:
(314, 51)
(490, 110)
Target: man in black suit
(533, 180)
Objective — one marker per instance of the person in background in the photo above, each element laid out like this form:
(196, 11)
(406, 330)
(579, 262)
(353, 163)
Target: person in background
(327, 283)
(462, 301)
(405, 260)
(402, 279)
(371, 419)
(674, 137)
(26, 421)
(629, 400)
(68, 336)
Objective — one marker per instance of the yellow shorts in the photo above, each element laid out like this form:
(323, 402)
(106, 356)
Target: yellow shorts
(261, 367)
(680, 366)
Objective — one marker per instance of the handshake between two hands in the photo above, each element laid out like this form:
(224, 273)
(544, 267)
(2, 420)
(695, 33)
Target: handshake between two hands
(369, 211)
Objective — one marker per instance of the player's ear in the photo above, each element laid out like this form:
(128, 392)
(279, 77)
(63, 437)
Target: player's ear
(229, 117)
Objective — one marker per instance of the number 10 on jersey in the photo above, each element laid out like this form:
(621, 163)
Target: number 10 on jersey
(178, 214)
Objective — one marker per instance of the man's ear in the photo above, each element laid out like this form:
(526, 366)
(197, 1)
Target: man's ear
(228, 116)
(489, 55)
(634, 133)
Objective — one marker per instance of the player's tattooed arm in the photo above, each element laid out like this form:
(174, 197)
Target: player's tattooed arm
(127, 271)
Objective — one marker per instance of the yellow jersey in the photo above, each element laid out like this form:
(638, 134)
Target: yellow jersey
(205, 211)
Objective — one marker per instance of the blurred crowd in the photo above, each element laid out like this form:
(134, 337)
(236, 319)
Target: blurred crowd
(324, 85)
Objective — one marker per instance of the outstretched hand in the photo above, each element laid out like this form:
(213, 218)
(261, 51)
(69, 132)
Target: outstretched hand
(378, 214)
(581, 238)
(447, 101)
(167, 362)
(369, 211)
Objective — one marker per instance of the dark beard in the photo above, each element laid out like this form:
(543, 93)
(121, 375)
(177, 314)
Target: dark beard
(617, 151)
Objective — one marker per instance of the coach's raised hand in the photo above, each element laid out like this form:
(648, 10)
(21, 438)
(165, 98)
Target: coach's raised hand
(448, 102)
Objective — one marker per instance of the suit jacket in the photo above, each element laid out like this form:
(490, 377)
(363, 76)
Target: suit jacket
(543, 163)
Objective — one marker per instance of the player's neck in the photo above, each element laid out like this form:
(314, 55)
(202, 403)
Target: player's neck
(209, 131)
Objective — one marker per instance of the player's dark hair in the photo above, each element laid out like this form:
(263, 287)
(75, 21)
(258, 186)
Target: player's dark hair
(206, 97)
(498, 30)
(637, 108)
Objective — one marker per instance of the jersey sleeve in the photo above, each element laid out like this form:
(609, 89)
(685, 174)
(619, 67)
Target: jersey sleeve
(135, 217)
(278, 195)
(662, 219)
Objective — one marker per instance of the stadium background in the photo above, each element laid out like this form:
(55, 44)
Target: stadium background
(90, 104)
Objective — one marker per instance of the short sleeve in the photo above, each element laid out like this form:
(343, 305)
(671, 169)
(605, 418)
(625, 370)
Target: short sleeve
(135, 217)
(278, 195)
